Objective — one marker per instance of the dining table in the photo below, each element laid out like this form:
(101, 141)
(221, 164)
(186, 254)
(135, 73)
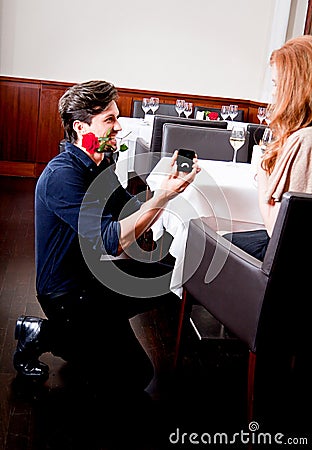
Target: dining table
(132, 128)
(224, 191)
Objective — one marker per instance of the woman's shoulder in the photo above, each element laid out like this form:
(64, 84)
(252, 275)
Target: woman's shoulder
(301, 138)
(302, 134)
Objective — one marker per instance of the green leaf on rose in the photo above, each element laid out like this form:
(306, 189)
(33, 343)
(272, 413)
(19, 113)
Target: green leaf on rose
(105, 146)
(123, 147)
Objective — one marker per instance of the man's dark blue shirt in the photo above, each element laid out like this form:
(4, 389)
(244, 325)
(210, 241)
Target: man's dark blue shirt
(67, 208)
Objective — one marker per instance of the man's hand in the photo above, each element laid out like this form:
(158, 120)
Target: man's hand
(176, 182)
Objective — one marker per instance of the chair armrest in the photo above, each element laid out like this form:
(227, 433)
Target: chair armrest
(227, 281)
(62, 145)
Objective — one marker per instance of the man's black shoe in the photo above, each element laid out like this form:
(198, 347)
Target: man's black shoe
(27, 351)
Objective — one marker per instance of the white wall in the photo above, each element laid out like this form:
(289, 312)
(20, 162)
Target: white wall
(297, 17)
(201, 47)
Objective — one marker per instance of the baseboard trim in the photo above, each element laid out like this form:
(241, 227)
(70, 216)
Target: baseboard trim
(20, 169)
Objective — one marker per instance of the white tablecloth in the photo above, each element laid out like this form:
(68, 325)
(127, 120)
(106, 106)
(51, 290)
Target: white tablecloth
(231, 123)
(132, 128)
(222, 190)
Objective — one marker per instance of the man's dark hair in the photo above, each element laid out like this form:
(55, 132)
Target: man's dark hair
(82, 102)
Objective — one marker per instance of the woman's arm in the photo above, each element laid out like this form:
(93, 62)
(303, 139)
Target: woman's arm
(269, 209)
(292, 172)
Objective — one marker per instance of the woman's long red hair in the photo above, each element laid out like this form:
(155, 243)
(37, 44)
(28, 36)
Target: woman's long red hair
(292, 106)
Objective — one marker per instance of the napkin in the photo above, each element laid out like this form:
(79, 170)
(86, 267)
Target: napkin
(200, 115)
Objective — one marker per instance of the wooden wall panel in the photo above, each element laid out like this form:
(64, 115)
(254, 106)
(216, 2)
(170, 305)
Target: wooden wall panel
(30, 126)
(308, 22)
(124, 104)
(18, 169)
(19, 121)
(50, 129)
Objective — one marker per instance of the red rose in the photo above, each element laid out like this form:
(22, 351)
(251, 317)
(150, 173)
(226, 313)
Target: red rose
(90, 143)
(213, 115)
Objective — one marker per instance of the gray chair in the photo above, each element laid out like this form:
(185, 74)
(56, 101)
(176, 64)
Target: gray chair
(208, 143)
(62, 145)
(165, 109)
(265, 304)
(238, 118)
(147, 156)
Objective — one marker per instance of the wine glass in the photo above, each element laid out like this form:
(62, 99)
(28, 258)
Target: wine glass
(188, 109)
(233, 111)
(145, 105)
(266, 138)
(154, 104)
(268, 117)
(179, 106)
(237, 139)
(261, 114)
(225, 112)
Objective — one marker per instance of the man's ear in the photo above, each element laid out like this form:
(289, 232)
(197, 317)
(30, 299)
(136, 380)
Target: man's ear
(79, 127)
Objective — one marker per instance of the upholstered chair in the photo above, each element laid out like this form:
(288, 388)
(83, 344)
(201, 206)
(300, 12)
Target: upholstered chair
(267, 305)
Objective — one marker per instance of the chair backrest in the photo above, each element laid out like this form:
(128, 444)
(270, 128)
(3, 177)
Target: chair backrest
(159, 121)
(238, 118)
(165, 109)
(207, 142)
(287, 307)
(256, 132)
(258, 302)
(146, 158)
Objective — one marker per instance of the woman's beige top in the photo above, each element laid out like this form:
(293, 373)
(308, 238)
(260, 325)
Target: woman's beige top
(293, 168)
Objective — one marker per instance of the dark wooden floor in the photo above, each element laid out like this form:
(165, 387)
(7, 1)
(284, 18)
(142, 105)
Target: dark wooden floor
(207, 395)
